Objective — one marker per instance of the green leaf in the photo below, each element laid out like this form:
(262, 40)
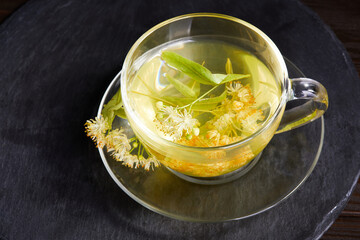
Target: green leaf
(178, 101)
(181, 87)
(212, 100)
(109, 116)
(234, 77)
(188, 67)
(120, 113)
(115, 104)
(206, 107)
(219, 77)
(204, 101)
(222, 78)
(209, 103)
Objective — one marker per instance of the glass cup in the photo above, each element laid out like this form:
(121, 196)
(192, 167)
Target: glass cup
(222, 163)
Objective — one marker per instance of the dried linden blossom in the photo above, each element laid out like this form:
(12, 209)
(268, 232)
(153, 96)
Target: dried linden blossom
(175, 122)
(116, 142)
(235, 118)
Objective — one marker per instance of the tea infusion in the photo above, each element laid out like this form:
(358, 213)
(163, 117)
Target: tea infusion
(202, 93)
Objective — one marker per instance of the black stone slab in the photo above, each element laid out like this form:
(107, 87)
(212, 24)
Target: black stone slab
(56, 60)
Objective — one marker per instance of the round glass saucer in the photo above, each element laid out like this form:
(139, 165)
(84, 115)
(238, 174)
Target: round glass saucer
(284, 165)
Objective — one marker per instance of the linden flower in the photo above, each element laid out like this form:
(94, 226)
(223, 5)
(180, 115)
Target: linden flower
(129, 160)
(251, 122)
(225, 140)
(233, 88)
(117, 143)
(243, 114)
(224, 122)
(150, 163)
(244, 94)
(213, 134)
(226, 105)
(117, 139)
(237, 106)
(177, 122)
(96, 129)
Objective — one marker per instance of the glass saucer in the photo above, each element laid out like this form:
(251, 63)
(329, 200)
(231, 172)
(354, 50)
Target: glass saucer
(284, 165)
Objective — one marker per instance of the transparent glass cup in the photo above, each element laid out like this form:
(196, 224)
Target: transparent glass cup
(219, 164)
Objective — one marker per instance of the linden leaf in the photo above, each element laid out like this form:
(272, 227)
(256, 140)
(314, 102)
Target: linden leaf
(181, 87)
(219, 77)
(212, 100)
(222, 78)
(112, 107)
(178, 101)
(234, 77)
(208, 107)
(115, 102)
(192, 69)
(120, 113)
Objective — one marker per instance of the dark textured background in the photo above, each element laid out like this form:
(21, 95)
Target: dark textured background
(55, 63)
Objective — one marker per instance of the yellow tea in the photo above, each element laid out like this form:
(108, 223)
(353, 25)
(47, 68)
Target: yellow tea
(167, 99)
(203, 92)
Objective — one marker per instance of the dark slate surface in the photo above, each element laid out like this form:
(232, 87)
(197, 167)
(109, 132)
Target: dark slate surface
(56, 60)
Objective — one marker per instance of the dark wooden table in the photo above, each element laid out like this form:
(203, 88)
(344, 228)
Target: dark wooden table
(343, 16)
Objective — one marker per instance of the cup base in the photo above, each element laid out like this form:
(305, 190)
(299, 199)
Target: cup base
(225, 178)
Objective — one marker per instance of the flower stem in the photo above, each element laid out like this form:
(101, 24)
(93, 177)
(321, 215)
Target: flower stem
(142, 151)
(139, 150)
(149, 154)
(207, 111)
(199, 98)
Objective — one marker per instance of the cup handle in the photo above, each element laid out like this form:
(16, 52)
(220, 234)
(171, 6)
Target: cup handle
(315, 107)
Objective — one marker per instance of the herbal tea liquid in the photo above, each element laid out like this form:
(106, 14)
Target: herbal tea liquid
(204, 115)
